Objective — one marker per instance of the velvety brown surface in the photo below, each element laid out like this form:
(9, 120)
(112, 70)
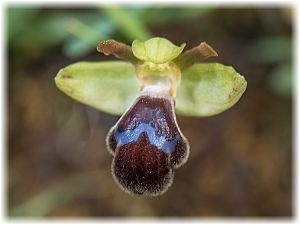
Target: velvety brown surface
(111, 141)
(155, 111)
(142, 168)
(139, 166)
(180, 155)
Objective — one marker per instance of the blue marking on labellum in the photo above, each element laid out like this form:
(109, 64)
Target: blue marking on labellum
(159, 141)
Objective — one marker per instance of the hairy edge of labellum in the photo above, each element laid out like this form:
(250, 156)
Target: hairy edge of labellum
(154, 189)
(173, 159)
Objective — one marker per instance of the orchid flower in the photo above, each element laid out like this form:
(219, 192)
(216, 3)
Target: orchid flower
(154, 80)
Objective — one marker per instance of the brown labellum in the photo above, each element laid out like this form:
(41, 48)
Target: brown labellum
(147, 145)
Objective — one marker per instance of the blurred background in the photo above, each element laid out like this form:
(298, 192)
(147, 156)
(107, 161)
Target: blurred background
(241, 160)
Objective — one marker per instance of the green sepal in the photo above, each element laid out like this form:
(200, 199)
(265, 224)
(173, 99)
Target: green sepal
(208, 89)
(107, 86)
